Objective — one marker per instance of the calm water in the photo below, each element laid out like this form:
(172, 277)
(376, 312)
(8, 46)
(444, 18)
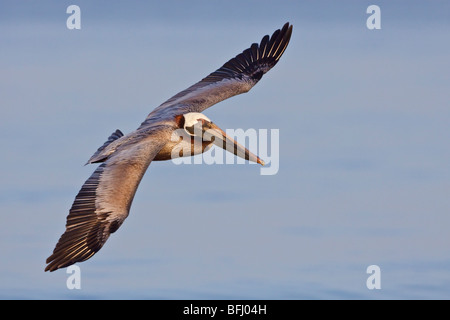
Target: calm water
(363, 176)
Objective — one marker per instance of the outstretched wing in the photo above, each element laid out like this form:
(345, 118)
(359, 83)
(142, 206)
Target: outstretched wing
(104, 200)
(236, 76)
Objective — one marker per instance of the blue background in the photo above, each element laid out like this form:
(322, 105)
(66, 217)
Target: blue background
(364, 174)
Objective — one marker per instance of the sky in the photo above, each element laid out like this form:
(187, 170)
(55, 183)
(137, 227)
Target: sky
(363, 179)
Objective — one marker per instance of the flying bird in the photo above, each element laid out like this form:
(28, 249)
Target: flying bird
(176, 128)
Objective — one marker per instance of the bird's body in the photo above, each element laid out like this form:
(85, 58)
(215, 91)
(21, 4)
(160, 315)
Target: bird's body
(174, 129)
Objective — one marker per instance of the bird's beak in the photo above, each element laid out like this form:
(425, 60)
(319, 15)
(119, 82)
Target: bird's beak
(221, 139)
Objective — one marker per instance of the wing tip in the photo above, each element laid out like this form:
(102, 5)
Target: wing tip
(65, 258)
(256, 60)
(54, 263)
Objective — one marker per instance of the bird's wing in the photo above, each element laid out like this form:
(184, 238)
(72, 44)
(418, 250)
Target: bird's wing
(236, 76)
(104, 200)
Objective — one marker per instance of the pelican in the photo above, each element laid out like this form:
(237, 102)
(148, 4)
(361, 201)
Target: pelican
(104, 201)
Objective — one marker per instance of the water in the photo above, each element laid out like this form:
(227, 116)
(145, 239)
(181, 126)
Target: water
(363, 177)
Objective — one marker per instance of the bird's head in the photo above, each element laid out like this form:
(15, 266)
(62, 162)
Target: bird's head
(198, 125)
(195, 124)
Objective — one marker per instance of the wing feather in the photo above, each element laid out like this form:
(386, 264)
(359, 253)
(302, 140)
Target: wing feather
(104, 201)
(236, 76)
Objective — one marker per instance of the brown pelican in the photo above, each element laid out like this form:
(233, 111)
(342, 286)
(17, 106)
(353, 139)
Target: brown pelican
(104, 201)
